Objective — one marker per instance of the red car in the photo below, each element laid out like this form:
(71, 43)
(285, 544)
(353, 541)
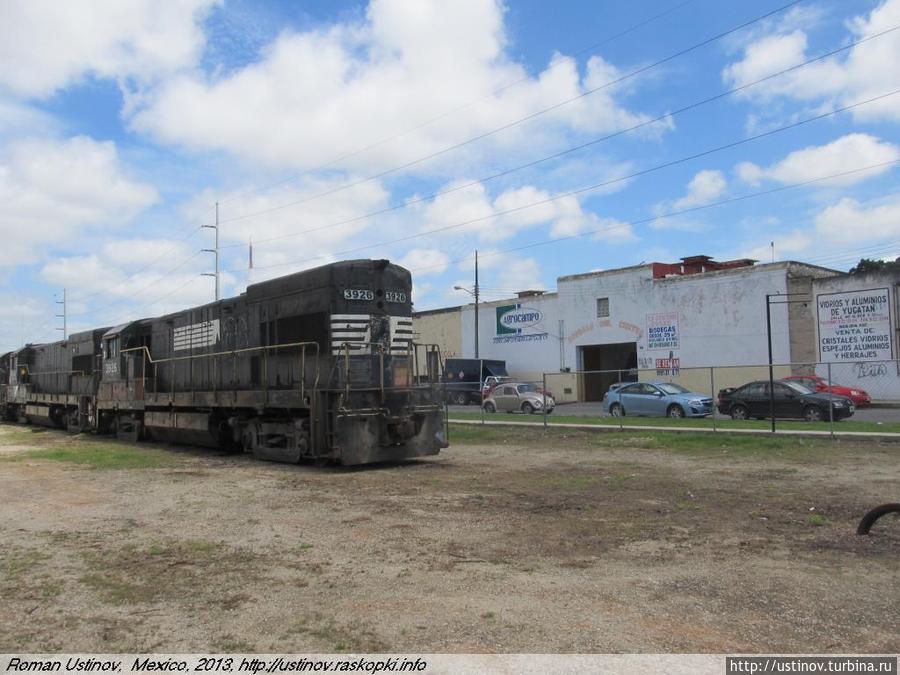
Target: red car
(816, 383)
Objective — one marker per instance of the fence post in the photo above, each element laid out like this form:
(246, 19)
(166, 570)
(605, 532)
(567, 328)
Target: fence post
(712, 395)
(481, 395)
(830, 404)
(544, 394)
(621, 408)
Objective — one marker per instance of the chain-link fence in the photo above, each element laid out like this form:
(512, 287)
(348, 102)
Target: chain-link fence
(861, 397)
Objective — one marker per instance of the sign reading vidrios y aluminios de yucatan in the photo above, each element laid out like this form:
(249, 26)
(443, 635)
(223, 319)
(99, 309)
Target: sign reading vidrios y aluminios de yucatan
(855, 325)
(514, 324)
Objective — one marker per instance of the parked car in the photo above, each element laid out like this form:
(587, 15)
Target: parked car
(816, 383)
(792, 400)
(490, 382)
(518, 397)
(659, 399)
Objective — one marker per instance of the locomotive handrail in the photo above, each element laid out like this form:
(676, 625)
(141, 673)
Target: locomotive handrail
(345, 347)
(243, 350)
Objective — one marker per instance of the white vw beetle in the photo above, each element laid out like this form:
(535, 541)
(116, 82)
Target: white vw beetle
(518, 397)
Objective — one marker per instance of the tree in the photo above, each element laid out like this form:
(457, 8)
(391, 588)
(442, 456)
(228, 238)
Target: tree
(866, 265)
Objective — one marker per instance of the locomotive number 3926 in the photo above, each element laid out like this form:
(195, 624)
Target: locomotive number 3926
(358, 294)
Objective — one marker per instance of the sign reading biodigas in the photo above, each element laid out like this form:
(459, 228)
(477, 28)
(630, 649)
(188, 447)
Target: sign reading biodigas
(854, 326)
(514, 320)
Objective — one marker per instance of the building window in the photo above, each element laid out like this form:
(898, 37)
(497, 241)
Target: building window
(602, 308)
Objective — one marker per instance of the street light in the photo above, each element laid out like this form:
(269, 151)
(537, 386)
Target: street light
(474, 293)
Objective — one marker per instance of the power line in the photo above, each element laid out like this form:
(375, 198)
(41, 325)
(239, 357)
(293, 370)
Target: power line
(150, 264)
(520, 120)
(582, 146)
(453, 111)
(673, 213)
(595, 186)
(143, 288)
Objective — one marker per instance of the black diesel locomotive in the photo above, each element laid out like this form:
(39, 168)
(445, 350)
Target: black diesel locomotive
(317, 365)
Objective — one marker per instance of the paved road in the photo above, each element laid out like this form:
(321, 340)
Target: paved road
(594, 410)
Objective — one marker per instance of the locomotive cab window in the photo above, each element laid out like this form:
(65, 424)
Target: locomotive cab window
(112, 348)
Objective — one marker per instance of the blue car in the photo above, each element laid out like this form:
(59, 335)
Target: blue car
(657, 399)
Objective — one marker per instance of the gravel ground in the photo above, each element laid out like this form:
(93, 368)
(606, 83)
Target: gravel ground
(509, 541)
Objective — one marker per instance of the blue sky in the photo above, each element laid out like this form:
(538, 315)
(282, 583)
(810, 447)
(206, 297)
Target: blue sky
(328, 130)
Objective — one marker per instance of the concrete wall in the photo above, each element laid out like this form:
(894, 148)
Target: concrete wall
(443, 328)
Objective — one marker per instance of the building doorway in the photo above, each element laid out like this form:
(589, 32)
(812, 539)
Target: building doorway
(620, 356)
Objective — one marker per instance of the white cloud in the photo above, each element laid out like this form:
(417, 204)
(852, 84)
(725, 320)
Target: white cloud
(321, 94)
(865, 71)
(849, 221)
(786, 245)
(307, 234)
(705, 187)
(846, 153)
(425, 262)
(50, 191)
(46, 45)
(511, 212)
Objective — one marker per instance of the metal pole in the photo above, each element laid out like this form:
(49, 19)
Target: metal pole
(830, 404)
(544, 392)
(63, 315)
(771, 369)
(476, 304)
(214, 251)
(480, 380)
(218, 296)
(712, 395)
(621, 408)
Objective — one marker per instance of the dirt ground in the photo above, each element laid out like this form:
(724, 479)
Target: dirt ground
(509, 541)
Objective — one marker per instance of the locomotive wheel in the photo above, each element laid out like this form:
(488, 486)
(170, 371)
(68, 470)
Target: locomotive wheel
(869, 519)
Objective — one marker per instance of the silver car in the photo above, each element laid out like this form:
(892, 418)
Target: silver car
(518, 397)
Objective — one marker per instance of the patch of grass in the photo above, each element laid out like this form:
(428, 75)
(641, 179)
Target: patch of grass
(489, 616)
(15, 562)
(351, 637)
(695, 422)
(228, 644)
(99, 455)
(699, 443)
(22, 575)
(164, 570)
(17, 435)
(817, 520)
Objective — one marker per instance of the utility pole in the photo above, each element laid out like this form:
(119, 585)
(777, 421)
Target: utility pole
(474, 293)
(214, 251)
(63, 315)
(476, 304)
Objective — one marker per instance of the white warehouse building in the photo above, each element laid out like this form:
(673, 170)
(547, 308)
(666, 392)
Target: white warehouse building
(655, 320)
